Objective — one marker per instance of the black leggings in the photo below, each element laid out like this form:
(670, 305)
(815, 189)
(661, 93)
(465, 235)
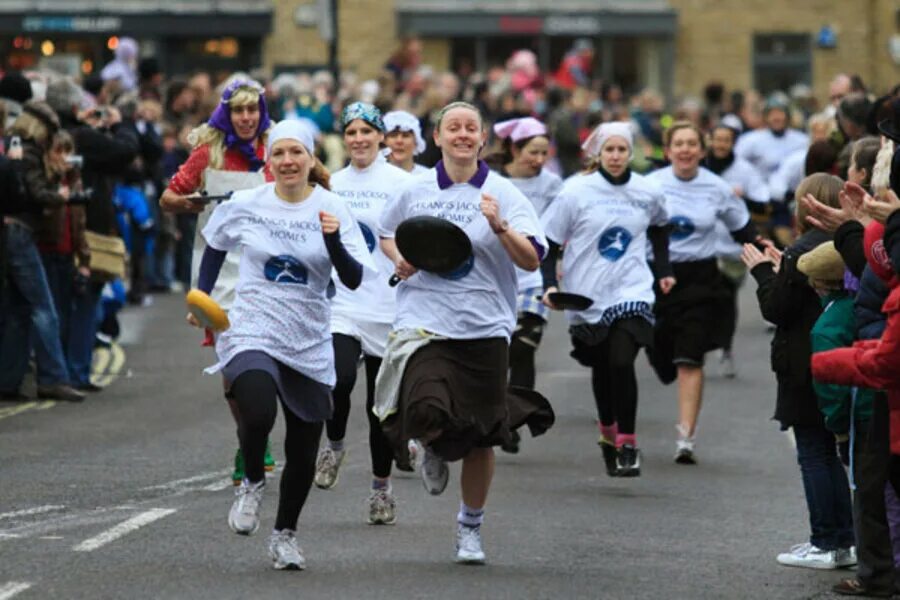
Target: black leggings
(347, 351)
(614, 381)
(524, 344)
(257, 398)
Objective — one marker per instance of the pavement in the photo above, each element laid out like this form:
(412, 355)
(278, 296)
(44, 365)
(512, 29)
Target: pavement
(127, 494)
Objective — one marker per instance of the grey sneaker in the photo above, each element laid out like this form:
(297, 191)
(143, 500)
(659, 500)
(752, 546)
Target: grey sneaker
(381, 507)
(284, 551)
(243, 518)
(845, 557)
(327, 467)
(726, 366)
(468, 545)
(435, 473)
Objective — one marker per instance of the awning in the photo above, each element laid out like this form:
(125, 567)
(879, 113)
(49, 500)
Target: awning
(451, 18)
(139, 18)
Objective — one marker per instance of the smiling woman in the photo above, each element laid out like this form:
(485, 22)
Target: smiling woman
(293, 234)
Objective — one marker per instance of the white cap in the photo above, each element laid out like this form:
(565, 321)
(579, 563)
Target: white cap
(404, 121)
(598, 138)
(292, 129)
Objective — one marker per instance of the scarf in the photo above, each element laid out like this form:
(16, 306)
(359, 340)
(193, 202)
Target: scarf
(221, 120)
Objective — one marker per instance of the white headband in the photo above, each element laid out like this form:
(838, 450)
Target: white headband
(598, 138)
(291, 129)
(404, 121)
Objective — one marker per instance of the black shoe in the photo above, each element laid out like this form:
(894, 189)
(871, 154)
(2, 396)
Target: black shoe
(88, 387)
(610, 456)
(13, 396)
(60, 391)
(512, 446)
(628, 461)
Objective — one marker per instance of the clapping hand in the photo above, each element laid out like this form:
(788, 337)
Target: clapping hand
(881, 209)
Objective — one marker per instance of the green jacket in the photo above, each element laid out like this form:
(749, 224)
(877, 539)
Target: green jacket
(836, 328)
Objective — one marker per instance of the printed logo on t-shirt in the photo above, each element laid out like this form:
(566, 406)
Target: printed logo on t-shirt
(682, 227)
(613, 243)
(460, 271)
(368, 236)
(285, 269)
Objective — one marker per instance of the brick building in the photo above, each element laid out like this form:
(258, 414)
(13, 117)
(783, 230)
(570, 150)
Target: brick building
(674, 45)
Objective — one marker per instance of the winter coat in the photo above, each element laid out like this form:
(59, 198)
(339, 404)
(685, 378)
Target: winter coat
(786, 300)
(870, 321)
(873, 363)
(836, 328)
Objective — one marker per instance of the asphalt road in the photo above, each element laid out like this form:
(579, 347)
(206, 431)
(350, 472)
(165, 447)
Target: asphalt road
(126, 496)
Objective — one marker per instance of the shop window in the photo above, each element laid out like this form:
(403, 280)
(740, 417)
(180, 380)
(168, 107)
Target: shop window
(781, 60)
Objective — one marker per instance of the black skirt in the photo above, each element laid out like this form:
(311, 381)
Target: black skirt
(692, 319)
(454, 396)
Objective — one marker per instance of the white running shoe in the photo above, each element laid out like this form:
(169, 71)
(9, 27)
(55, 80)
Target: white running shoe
(726, 365)
(416, 453)
(435, 473)
(808, 556)
(328, 464)
(684, 448)
(468, 545)
(243, 518)
(382, 507)
(284, 551)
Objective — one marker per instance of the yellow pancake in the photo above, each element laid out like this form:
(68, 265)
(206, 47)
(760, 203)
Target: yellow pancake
(207, 311)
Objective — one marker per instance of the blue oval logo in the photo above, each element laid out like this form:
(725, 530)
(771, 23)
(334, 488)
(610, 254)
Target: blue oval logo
(285, 269)
(460, 271)
(682, 228)
(613, 243)
(368, 236)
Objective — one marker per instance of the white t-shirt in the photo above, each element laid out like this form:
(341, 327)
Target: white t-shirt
(366, 193)
(479, 300)
(788, 175)
(694, 207)
(766, 151)
(604, 228)
(541, 190)
(740, 174)
(280, 306)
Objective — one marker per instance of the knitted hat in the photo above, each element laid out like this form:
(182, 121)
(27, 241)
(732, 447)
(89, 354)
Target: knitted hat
(822, 263)
(16, 87)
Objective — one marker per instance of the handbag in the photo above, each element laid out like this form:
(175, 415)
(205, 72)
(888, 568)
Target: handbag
(108, 256)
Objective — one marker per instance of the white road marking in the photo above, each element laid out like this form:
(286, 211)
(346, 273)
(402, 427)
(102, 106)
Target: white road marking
(122, 529)
(31, 511)
(180, 483)
(219, 485)
(9, 536)
(8, 590)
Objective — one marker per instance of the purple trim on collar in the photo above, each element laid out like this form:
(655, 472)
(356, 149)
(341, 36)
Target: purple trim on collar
(477, 180)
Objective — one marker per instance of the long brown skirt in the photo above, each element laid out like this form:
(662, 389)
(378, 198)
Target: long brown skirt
(454, 396)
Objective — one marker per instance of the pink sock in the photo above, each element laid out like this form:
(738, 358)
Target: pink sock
(608, 432)
(626, 438)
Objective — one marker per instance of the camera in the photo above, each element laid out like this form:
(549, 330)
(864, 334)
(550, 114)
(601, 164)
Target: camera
(81, 196)
(98, 113)
(75, 161)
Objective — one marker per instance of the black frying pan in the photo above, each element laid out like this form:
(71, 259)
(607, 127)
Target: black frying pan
(569, 301)
(203, 198)
(432, 244)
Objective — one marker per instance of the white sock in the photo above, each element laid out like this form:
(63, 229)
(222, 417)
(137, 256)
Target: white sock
(469, 517)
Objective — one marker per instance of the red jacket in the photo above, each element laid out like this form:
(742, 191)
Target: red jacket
(871, 363)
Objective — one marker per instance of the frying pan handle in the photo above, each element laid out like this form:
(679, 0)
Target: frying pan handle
(394, 280)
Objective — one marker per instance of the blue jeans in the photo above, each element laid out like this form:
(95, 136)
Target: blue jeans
(28, 309)
(826, 487)
(82, 334)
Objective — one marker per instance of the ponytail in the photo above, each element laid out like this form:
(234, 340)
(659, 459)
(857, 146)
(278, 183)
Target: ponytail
(319, 175)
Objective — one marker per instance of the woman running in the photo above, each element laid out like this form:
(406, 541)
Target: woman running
(454, 329)
(361, 319)
(292, 234)
(746, 183)
(691, 320)
(526, 145)
(606, 218)
(229, 153)
(403, 137)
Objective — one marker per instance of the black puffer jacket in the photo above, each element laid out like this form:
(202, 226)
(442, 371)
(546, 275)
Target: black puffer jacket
(786, 300)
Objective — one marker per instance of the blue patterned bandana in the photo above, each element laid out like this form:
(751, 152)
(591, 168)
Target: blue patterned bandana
(364, 111)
